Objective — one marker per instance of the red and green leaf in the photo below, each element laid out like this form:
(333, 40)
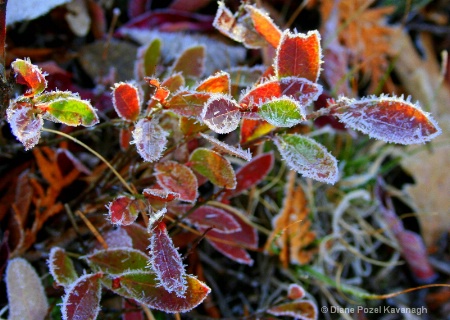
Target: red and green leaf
(251, 174)
(282, 112)
(30, 75)
(214, 167)
(150, 139)
(221, 114)
(144, 287)
(299, 55)
(264, 25)
(126, 101)
(307, 157)
(177, 178)
(174, 82)
(390, 119)
(118, 260)
(252, 129)
(301, 90)
(191, 62)
(217, 83)
(123, 210)
(166, 262)
(61, 267)
(25, 124)
(188, 103)
(190, 126)
(82, 298)
(226, 148)
(304, 310)
(71, 111)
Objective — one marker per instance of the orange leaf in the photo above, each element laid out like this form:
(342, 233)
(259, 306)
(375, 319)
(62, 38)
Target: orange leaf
(299, 55)
(264, 25)
(218, 83)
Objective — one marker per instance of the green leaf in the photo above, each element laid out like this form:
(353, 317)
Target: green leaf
(71, 111)
(281, 112)
(308, 157)
(118, 260)
(213, 166)
(144, 287)
(61, 267)
(151, 57)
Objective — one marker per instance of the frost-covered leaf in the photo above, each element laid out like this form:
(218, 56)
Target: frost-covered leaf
(188, 103)
(190, 126)
(307, 157)
(295, 291)
(82, 298)
(282, 112)
(304, 310)
(126, 101)
(390, 119)
(217, 83)
(233, 245)
(118, 260)
(221, 114)
(299, 89)
(150, 139)
(72, 111)
(178, 178)
(251, 174)
(160, 93)
(299, 55)
(117, 238)
(143, 287)
(214, 167)
(209, 217)
(25, 124)
(226, 148)
(240, 29)
(29, 75)
(252, 129)
(264, 25)
(61, 267)
(155, 217)
(160, 195)
(166, 262)
(123, 210)
(26, 295)
(191, 62)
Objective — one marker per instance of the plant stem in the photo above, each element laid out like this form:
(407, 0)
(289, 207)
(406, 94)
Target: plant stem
(95, 153)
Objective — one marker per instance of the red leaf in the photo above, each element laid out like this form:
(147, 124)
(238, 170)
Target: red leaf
(299, 55)
(161, 92)
(123, 210)
(252, 129)
(206, 217)
(126, 101)
(188, 103)
(160, 195)
(390, 119)
(295, 291)
(414, 251)
(124, 138)
(150, 139)
(178, 178)
(247, 237)
(166, 262)
(29, 75)
(302, 90)
(218, 83)
(304, 310)
(143, 287)
(264, 25)
(251, 174)
(131, 310)
(138, 235)
(82, 298)
(221, 114)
